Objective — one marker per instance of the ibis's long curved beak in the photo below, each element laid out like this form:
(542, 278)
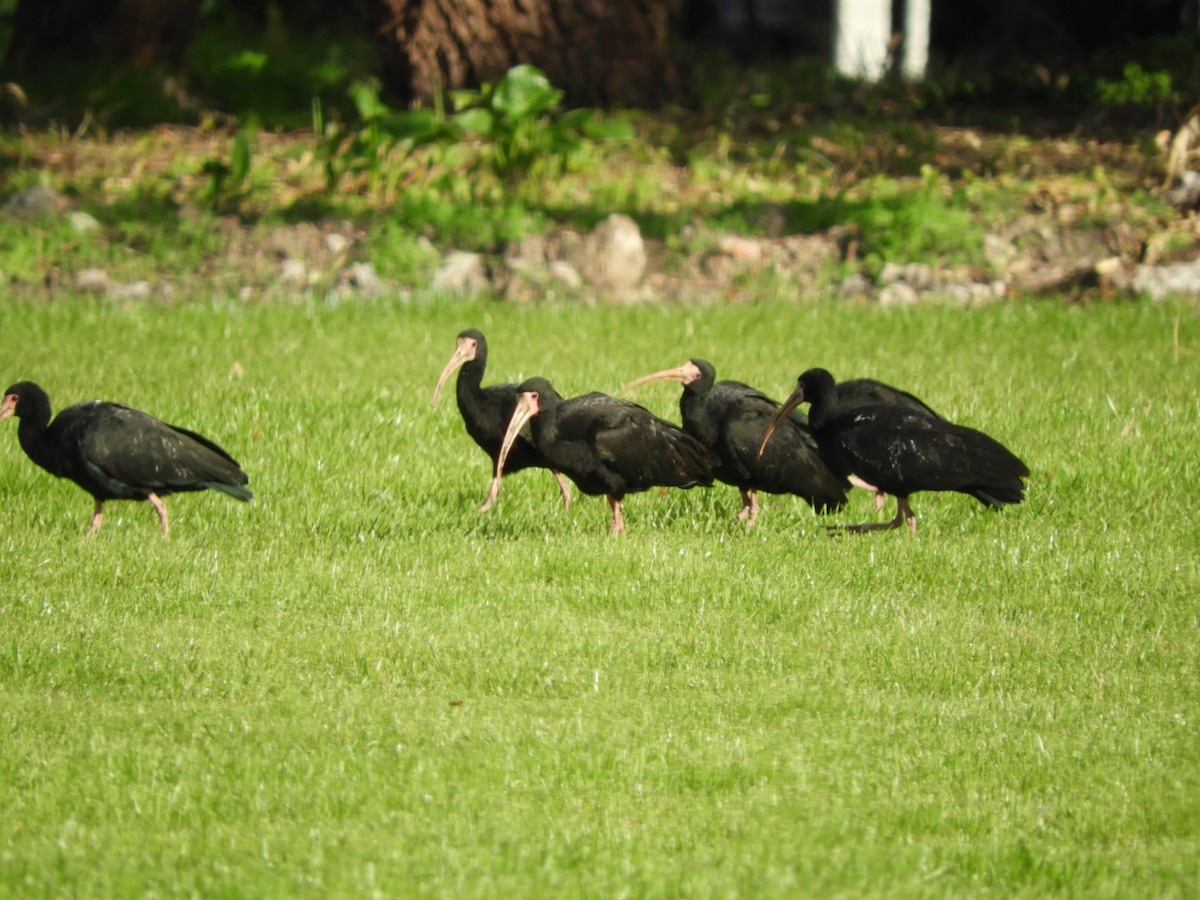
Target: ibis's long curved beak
(789, 405)
(526, 409)
(463, 352)
(687, 373)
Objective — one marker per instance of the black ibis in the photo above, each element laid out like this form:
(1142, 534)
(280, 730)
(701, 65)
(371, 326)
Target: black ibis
(868, 392)
(117, 453)
(486, 411)
(605, 445)
(899, 450)
(730, 418)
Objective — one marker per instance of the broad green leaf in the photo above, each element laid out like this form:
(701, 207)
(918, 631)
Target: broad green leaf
(476, 121)
(524, 93)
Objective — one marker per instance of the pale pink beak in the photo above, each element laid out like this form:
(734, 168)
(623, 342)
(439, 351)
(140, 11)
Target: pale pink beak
(527, 408)
(9, 407)
(464, 351)
(687, 373)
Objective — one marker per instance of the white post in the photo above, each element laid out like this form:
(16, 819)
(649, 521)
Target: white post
(917, 14)
(861, 32)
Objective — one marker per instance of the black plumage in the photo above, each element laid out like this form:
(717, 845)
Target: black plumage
(730, 418)
(606, 445)
(115, 452)
(901, 450)
(486, 411)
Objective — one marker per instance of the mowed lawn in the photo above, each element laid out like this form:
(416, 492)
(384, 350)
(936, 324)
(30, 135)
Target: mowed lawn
(359, 685)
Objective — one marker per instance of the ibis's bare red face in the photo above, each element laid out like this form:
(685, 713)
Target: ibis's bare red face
(9, 406)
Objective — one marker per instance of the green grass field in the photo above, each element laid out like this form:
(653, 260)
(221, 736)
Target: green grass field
(358, 685)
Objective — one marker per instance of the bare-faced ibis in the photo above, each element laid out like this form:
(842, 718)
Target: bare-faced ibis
(486, 411)
(859, 392)
(900, 450)
(730, 419)
(117, 453)
(605, 445)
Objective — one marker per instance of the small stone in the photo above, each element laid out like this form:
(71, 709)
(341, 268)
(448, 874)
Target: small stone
(526, 254)
(898, 294)
(919, 275)
(462, 273)
(83, 222)
(1186, 194)
(135, 290)
(1161, 282)
(36, 202)
(742, 249)
(614, 254)
(292, 271)
(854, 285)
(91, 280)
(998, 251)
(565, 274)
(891, 273)
(363, 276)
(336, 243)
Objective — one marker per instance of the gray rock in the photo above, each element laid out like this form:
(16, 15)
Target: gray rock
(898, 293)
(917, 275)
(526, 254)
(1161, 282)
(336, 243)
(462, 273)
(91, 280)
(1186, 194)
(32, 203)
(613, 255)
(362, 275)
(742, 249)
(135, 290)
(999, 251)
(565, 274)
(83, 222)
(854, 285)
(293, 271)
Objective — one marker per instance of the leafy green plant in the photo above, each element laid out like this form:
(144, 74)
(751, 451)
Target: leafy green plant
(383, 131)
(516, 117)
(227, 177)
(1136, 87)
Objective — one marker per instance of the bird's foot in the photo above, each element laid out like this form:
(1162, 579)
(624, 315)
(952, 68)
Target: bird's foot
(97, 518)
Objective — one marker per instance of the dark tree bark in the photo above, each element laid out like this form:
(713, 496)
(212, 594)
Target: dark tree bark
(598, 51)
(141, 32)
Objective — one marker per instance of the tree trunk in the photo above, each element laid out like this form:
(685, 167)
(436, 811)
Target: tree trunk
(141, 32)
(597, 51)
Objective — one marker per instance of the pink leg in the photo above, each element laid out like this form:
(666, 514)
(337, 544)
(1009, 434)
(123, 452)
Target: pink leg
(162, 514)
(97, 518)
(749, 510)
(563, 490)
(618, 523)
(880, 497)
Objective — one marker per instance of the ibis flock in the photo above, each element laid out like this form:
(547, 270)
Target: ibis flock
(859, 433)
